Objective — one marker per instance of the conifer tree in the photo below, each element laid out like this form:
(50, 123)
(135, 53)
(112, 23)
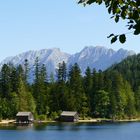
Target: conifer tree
(130, 109)
(26, 101)
(137, 100)
(14, 79)
(87, 84)
(39, 88)
(5, 85)
(61, 88)
(119, 93)
(75, 85)
(101, 99)
(84, 106)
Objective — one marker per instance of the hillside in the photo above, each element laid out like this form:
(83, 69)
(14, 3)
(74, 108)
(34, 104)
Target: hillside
(130, 70)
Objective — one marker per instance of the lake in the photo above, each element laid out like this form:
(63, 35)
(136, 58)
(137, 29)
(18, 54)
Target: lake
(72, 131)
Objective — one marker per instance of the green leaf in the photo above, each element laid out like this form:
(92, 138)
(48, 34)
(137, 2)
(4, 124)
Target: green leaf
(122, 38)
(99, 2)
(135, 14)
(136, 32)
(110, 35)
(117, 18)
(121, 1)
(123, 14)
(118, 10)
(131, 21)
(90, 1)
(109, 10)
(130, 27)
(114, 39)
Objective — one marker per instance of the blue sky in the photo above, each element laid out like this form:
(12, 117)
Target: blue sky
(38, 24)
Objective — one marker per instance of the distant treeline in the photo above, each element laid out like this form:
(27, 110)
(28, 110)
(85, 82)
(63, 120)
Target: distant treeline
(96, 94)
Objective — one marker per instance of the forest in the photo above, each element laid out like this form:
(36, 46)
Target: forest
(114, 93)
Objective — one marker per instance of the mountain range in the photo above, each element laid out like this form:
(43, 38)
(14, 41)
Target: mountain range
(95, 57)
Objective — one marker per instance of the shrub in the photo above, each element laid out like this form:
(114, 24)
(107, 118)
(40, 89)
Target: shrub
(41, 117)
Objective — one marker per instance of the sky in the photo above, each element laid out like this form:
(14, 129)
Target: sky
(41, 24)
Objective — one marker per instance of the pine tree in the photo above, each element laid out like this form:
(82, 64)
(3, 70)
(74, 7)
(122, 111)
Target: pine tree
(130, 109)
(14, 79)
(88, 81)
(87, 84)
(101, 99)
(75, 86)
(36, 79)
(26, 71)
(42, 97)
(62, 72)
(137, 100)
(61, 89)
(94, 89)
(84, 112)
(119, 94)
(5, 85)
(26, 101)
(39, 88)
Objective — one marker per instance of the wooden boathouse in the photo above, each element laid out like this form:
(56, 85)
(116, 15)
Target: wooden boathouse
(24, 117)
(69, 116)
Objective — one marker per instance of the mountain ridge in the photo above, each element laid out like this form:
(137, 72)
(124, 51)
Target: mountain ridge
(98, 57)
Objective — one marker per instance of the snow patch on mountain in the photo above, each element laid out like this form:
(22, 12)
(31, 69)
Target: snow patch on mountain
(95, 57)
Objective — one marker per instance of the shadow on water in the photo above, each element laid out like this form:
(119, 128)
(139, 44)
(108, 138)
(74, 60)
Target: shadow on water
(57, 126)
(71, 131)
(16, 126)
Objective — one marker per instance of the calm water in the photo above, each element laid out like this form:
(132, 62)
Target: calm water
(70, 131)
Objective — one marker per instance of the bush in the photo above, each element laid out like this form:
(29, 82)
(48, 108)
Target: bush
(41, 117)
(54, 115)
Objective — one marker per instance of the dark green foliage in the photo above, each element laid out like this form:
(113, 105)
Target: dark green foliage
(114, 39)
(41, 117)
(114, 93)
(130, 108)
(130, 70)
(137, 99)
(101, 99)
(26, 70)
(25, 99)
(75, 86)
(121, 9)
(14, 78)
(5, 84)
(122, 38)
(88, 83)
(62, 72)
(84, 106)
(119, 93)
(40, 88)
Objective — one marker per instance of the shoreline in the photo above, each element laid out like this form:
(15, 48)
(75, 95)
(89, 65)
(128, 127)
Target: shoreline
(7, 121)
(100, 120)
(95, 120)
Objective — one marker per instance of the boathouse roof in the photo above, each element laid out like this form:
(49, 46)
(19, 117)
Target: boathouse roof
(23, 113)
(68, 113)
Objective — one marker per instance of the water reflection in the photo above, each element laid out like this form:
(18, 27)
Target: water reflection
(40, 127)
(23, 126)
(71, 131)
(57, 126)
